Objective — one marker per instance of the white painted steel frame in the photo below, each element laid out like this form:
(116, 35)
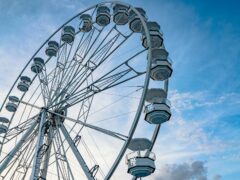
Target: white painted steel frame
(36, 167)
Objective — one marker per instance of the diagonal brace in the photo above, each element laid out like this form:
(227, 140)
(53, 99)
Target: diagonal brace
(76, 153)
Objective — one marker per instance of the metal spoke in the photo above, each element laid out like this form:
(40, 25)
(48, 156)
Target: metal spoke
(29, 104)
(93, 63)
(102, 130)
(107, 81)
(82, 66)
(82, 47)
(62, 66)
(100, 55)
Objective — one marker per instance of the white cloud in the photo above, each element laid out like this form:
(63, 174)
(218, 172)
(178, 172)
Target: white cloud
(217, 177)
(196, 170)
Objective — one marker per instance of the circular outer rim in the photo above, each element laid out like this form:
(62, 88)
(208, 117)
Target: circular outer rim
(146, 82)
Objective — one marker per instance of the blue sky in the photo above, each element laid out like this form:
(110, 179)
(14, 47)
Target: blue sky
(203, 41)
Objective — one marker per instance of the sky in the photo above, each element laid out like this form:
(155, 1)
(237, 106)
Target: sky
(202, 139)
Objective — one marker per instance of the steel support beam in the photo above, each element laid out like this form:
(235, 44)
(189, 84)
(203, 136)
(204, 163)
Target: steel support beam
(76, 153)
(17, 147)
(37, 158)
(49, 142)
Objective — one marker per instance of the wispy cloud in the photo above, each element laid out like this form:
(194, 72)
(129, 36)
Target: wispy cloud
(186, 171)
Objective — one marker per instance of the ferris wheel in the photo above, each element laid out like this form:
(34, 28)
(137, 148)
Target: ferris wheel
(80, 107)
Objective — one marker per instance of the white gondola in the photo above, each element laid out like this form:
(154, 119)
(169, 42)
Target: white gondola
(120, 14)
(68, 34)
(4, 120)
(12, 104)
(155, 35)
(141, 162)
(24, 83)
(3, 129)
(158, 111)
(52, 48)
(134, 21)
(161, 65)
(103, 16)
(38, 64)
(86, 25)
